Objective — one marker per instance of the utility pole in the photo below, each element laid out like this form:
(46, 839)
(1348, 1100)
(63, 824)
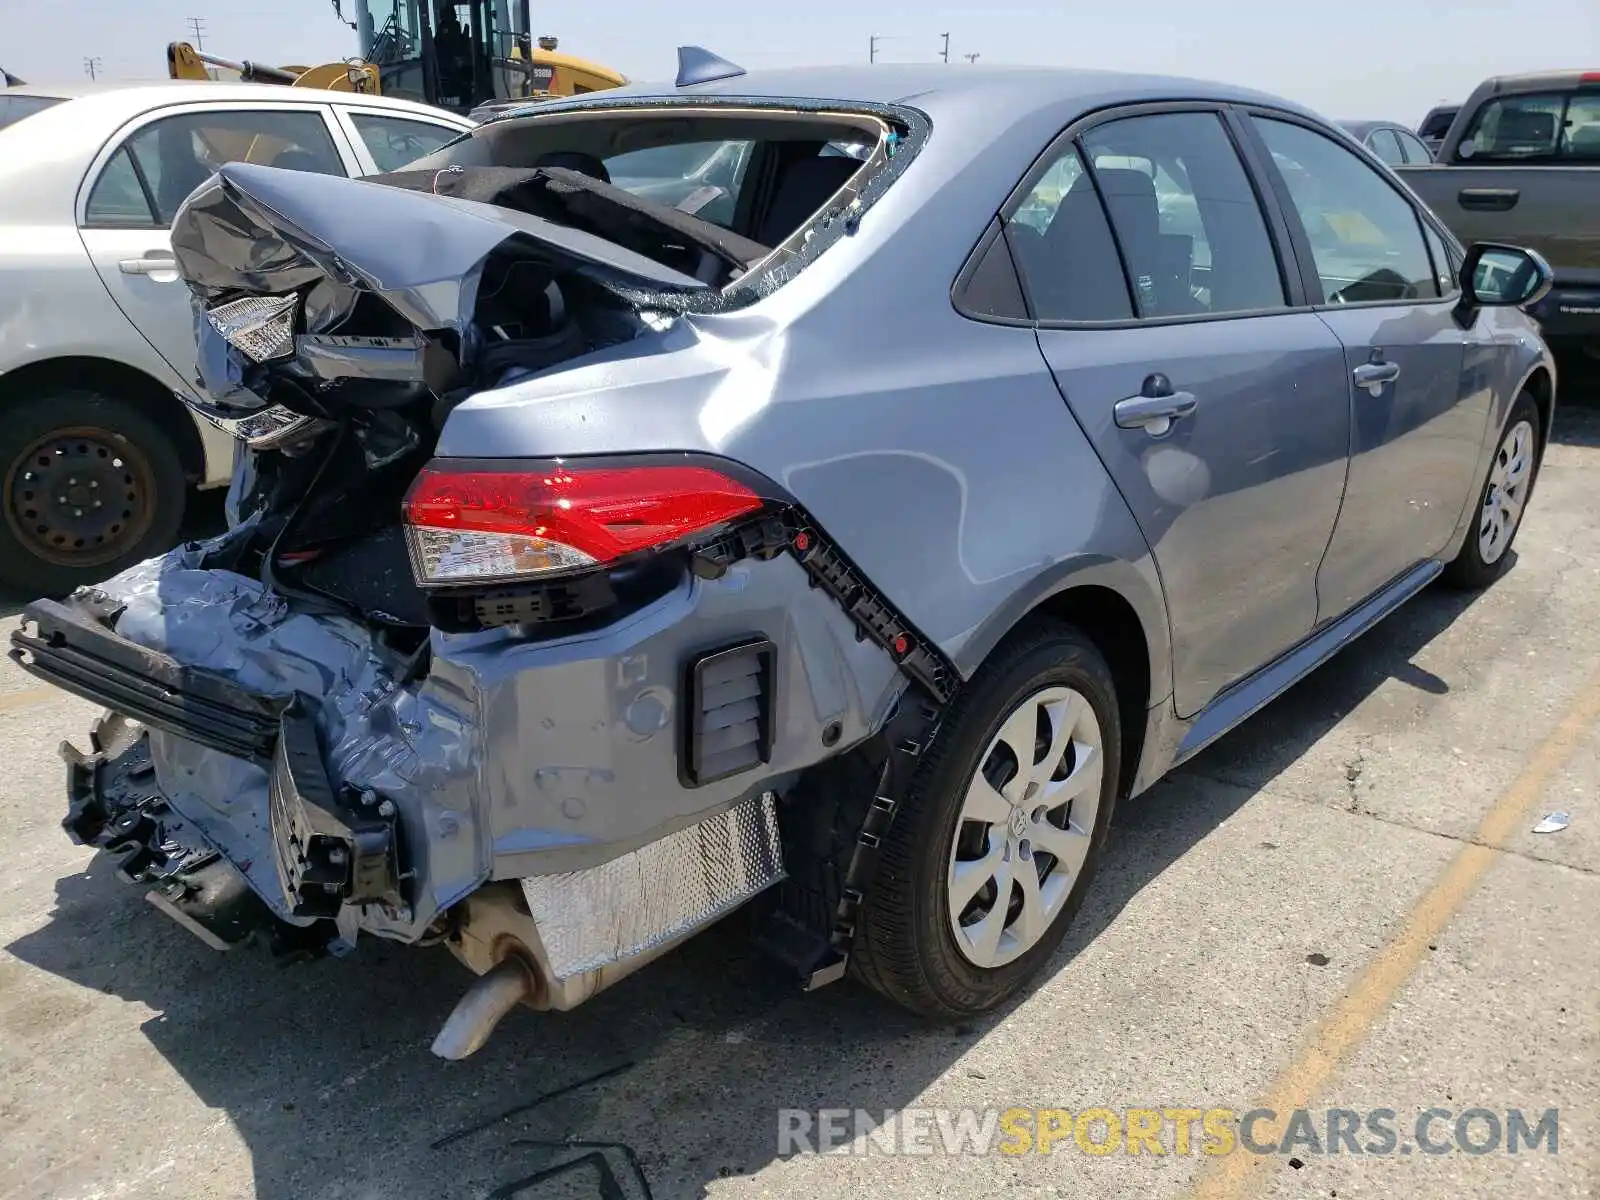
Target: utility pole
(971, 58)
(198, 24)
(872, 48)
(92, 66)
(946, 37)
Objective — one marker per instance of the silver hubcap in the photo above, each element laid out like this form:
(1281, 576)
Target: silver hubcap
(1025, 826)
(1508, 492)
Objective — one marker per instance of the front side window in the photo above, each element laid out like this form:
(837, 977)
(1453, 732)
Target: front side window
(1444, 266)
(1365, 237)
(175, 155)
(1188, 224)
(1551, 126)
(1412, 147)
(393, 141)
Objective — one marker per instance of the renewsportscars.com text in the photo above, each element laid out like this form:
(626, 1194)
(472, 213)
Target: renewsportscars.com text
(1174, 1131)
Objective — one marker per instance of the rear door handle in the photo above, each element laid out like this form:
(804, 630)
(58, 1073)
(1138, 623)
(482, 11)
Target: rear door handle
(1373, 375)
(159, 264)
(1489, 199)
(1155, 408)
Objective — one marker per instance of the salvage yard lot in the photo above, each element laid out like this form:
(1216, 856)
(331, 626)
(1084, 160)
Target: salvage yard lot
(1241, 903)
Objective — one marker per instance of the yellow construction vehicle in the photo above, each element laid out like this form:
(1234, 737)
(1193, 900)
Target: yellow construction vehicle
(185, 62)
(463, 55)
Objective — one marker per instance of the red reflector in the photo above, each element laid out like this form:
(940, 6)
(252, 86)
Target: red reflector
(1589, 77)
(506, 523)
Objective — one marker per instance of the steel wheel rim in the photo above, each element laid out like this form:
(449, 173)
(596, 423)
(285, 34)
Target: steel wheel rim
(80, 497)
(1027, 819)
(1507, 493)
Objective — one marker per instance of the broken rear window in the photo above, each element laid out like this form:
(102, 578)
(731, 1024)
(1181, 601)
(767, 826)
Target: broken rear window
(761, 173)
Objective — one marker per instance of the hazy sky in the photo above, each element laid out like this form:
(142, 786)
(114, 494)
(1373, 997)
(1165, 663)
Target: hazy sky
(1348, 58)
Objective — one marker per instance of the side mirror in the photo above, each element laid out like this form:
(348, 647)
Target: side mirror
(1496, 276)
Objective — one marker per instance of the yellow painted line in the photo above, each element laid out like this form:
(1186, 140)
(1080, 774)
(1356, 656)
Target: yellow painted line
(1347, 1025)
(27, 698)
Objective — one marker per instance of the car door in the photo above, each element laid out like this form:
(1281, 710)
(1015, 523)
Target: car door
(1220, 412)
(1417, 418)
(389, 141)
(145, 172)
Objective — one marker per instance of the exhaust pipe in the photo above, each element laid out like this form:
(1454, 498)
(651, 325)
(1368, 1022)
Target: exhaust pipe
(486, 1003)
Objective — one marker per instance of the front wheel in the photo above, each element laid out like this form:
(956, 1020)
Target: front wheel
(990, 858)
(1486, 553)
(91, 485)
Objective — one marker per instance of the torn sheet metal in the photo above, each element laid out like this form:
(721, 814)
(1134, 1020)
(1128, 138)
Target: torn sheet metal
(270, 231)
(412, 744)
(661, 892)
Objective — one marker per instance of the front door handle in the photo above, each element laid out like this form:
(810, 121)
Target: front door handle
(1489, 199)
(160, 265)
(1155, 408)
(1373, 375)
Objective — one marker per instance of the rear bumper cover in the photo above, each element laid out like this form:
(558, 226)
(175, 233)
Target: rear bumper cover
(512, 758)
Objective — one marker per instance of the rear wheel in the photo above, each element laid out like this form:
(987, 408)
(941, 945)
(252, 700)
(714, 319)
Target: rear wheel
(91, 485)
(989, 861)
(1486, 553)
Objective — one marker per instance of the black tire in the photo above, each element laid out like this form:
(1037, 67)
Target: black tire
(1468, 571)
(904, 947)
(51, 544)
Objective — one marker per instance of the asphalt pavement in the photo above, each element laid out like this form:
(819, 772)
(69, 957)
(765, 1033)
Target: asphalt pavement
(1341, 906)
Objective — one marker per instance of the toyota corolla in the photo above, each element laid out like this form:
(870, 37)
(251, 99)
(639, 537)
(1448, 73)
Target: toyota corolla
(844, 539)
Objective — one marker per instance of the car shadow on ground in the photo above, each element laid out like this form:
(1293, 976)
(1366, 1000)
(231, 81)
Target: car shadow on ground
(323, 1070)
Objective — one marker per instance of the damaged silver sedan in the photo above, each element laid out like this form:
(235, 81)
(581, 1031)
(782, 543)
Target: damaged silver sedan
(698, 498)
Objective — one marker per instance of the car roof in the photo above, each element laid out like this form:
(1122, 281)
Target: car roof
(1004, 91)
(1361, 128)
(130, 100)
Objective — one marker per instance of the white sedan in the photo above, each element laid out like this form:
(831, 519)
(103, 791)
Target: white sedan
(97, 451)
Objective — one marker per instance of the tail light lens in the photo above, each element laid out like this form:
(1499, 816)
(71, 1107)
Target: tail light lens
(474, 523)
(262, 327)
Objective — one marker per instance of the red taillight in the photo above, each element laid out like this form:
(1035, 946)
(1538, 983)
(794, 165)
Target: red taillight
(477, 524)
(1588, 78)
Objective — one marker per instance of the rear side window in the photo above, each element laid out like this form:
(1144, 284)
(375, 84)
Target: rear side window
(1365, 237)
(702, 178)
(1188, 224)
(1386, 146)
(173, 156)
(1064, 250)
(119, 197)
(14, 108)
(1551, 126)
(394, 141)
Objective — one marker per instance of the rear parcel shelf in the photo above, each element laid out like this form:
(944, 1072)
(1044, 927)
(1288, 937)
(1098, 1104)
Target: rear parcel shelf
(69, 644)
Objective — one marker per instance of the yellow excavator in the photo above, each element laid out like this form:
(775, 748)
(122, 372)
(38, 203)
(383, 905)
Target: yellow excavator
(469, 56)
